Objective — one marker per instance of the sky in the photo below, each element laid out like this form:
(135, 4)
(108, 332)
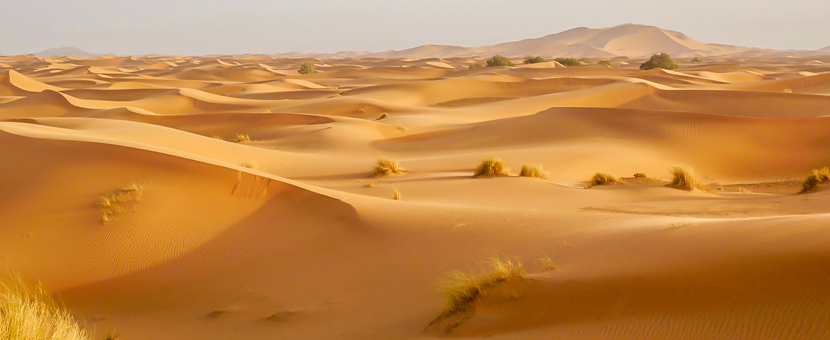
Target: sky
(200, 27)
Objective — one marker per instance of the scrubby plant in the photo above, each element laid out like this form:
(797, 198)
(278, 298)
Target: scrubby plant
(383, 115)
(396, 195)
(462, 289)
(602, 178)
(498, 60)
(816, 177)
(696, 60)
(534, 60)
(361, 110)
(306, 68)
(475, 65)
(117, 201)
(533, 170)
(242, 138)
(29, 313)
(683, 177)
(492, 166)
(662, 60)
(604, 63)
(546, 264)
(387, 167)
(568, 61)
(640, 175)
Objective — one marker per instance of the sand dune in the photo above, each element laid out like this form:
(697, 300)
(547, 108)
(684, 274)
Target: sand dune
(257, 218)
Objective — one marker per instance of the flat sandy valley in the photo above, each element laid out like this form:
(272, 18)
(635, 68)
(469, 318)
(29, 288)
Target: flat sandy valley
(239, 202)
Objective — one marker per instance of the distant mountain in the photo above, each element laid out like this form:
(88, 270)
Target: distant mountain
(65, 51)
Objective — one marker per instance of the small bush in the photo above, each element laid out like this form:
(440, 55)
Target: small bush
(532, 170)
(306, 68)
(816, 177)
(604, 62)
(492, 166)
(387, 167)
(662, 60)
(640, 175)
(568, 61)
(696, 60)
(242, 138)
(602, 178)
(498, 60)
(475, 65)
(383, 116)
(683, 178)
(29, 313)
(534, 60)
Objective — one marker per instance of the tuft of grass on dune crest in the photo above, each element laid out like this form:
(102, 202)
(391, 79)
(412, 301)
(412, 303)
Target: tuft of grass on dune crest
(242, 138)
(683, 177)
(383, 115)
(117, 201)
(492, 166)
(396, 195)
(387, 167)
(30, 313)
(602, 178)
(532, 170)
(461, 289)
(816, 177)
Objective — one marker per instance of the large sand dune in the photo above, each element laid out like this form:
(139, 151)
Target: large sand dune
(257, 217)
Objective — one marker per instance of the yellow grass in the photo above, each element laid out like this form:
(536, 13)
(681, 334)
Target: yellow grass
(602, 178)
(117, 201)
(383, 116)
(396, 195)
(683, 178)
(816, 177)
(29, 313)
(492, 166)
(387, 167)
(532, 170)
(640, 175)
(546, 264)
(242, 138)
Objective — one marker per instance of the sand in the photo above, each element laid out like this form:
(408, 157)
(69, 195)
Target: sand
(258, 219)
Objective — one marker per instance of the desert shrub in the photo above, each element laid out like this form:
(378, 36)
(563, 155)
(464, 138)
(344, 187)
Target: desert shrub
(383, 115)
(662, 60)
(396, 195)
(640, 175)
(696, 60)
(816, 177)
(604, 62)
(498, 60)
(683, 178)
(492, 166)
(602, 178)
(568, 61)
(475, 65)
(242, 138)
(534, 60)
(532, 170)
(30, 313)
(546, 264)
(118, 201)
(387, 167)
(306, 68)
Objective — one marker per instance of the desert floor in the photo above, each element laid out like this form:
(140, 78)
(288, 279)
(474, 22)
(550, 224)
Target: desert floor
(283, 235)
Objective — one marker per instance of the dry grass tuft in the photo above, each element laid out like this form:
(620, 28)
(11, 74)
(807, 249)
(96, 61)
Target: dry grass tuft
(383, 116)
(602, 178)
(396, 195)
(683, 177)
(462, 289)
(112, 335)
(117, 202)
(816, 177)
(492, 166)
(536, 171)
(242, 138)
(546, 264)
(640, 175)
(387, 167)
(29, 313)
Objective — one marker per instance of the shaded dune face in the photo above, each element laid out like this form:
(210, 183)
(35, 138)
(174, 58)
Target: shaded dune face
(231, 197)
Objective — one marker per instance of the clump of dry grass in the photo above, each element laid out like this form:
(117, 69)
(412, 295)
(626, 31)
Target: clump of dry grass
(532, 170)
(462, 289)
(248, 164)
(683, 177)
(546, 264)
(397, 195)
(788, 90)
(29, 313)
(492, 166)
(602, 178)
(112, 335)
(117, 201)
(361, 110)
(387, 167)
(816, 177)
(383, 116)
(242, 138)
(640, 175)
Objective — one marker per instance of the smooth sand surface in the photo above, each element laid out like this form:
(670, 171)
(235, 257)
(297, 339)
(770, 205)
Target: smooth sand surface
(258, 218)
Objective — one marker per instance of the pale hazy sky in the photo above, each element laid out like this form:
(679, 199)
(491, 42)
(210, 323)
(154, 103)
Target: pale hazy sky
(274, 26)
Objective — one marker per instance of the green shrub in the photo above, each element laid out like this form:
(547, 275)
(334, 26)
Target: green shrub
(534, 60)
(498, 60)
(604, 62)
(306, 68)
(568, 61)
(662, 60)
(475, 65)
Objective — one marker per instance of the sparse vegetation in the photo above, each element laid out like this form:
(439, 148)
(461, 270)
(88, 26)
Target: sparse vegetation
(788, 90)
(568, 61)
(602, 178)
(546, 264)
(383, 115)
(396, 195)
(242, 138)
(533, 170)
(306, 68)
(112, 335)
(662, 60)
(498, 60)
(361, 110)
(118, 201)
(387, 167)
(30, 313)
(816, 177)
(534, 60)
(462, 289)
(604, 63)
(640, 175)
(475, 65)
(696, 60)
(683, 178)
(492, 166)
